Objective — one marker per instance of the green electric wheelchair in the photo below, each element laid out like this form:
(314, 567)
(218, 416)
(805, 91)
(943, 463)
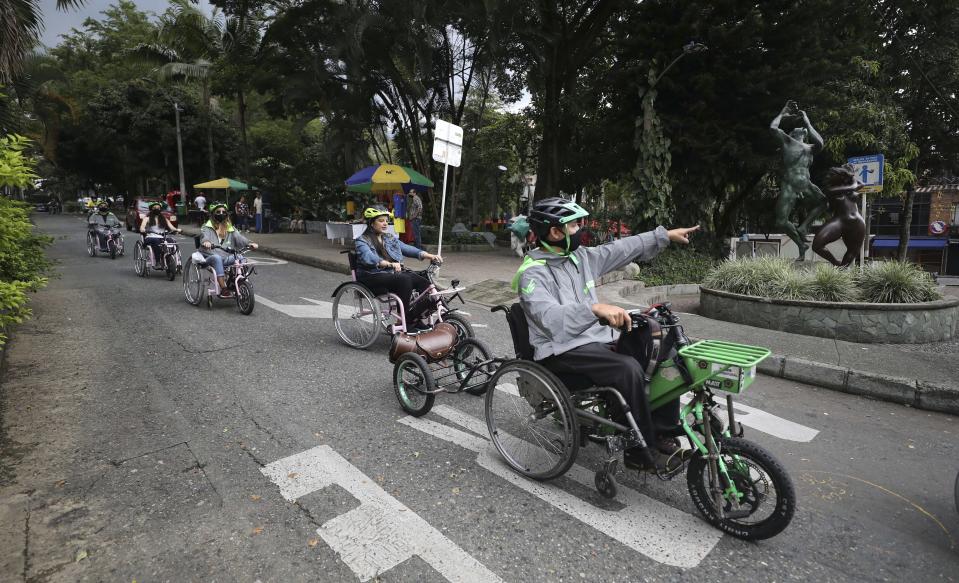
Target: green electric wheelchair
(538, 423)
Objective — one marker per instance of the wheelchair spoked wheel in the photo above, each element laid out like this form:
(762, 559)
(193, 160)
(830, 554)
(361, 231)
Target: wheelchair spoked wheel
(412, 382)
(468, 357)
(531, 421)
(192, 283)
(356, 316)
(463, 327)
(92, 244)
(245, 300)
(139, 259)
(768, 495)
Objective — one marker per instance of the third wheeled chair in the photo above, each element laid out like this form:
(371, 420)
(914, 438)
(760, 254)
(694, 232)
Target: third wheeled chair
(361, 314)
(538, 423)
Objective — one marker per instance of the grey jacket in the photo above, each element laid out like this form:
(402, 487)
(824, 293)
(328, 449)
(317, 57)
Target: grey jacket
(234, 240)
(557, 293)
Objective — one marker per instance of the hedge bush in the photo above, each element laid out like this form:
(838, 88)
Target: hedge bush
(23, 263)
(778, 278)
(676, 266)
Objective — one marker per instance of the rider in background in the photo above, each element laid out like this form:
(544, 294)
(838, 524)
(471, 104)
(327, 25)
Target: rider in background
(102, 218)
(219, 231)
(557, 291)
(152, 227)
(380, 255)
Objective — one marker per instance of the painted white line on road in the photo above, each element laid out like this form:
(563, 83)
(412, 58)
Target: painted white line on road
(659, 531)
(265, 261)
(767, 422)
(381, 532)
(748, 416)
(316, 309)
(478, 325)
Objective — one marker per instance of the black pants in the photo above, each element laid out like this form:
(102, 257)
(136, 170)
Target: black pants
(401, 283)
(604, 367)
(156, 244)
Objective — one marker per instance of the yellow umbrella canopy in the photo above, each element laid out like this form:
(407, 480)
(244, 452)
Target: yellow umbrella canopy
(225, 183)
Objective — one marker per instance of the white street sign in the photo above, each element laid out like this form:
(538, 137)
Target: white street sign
(447, 153)
(448, 149)
(381, 532)
(448, 132)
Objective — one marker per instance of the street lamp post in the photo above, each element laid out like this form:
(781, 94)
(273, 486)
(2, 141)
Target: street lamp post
(179, 155)
(501, 170)
(179, 141)
(690, 47)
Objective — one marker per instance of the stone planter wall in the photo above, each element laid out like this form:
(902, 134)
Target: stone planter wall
(854, 321)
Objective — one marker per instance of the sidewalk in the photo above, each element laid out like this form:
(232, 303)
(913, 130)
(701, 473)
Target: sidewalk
(922, 376)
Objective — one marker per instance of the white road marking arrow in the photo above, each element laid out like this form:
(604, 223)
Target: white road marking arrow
(315, 309)
(381, 532)
(659, 531)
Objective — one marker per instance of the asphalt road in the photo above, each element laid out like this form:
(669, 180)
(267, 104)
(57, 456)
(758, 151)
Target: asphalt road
(146, 439)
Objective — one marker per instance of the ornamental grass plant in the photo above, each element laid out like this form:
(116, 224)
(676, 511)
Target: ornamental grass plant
(829, 284)
(779, 278)
(896, 282)
(752, 277)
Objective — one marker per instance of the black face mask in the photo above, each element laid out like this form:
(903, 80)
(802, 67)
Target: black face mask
(104, 212)
(574, 242)
(219, 217)
(154, 212)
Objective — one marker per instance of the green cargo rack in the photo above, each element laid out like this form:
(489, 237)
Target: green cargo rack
(724, 366)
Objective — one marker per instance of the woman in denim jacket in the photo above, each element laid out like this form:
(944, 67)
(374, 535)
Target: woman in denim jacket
(379, 257)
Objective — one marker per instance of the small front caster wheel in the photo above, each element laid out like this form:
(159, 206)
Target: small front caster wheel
(606, 484)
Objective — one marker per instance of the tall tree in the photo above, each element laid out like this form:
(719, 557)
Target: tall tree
(20, 27)
(554, 41)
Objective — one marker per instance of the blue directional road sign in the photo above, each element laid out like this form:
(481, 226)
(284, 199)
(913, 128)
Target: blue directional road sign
(869, 171)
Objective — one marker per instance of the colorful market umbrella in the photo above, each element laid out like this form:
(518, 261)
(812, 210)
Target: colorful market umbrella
(387, 178)
(223, 183)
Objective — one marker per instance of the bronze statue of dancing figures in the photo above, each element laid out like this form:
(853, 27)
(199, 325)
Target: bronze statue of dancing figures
(796, 184)
(846, 222)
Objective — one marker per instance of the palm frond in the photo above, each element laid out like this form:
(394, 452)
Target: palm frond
(154, 53)
(201, 69)
(64, 5)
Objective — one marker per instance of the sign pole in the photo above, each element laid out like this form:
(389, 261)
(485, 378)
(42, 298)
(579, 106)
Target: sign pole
(447, 148)
(865, 241)
(439, 247)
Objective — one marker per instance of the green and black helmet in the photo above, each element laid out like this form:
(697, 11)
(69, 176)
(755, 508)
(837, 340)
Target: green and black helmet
(553, 212)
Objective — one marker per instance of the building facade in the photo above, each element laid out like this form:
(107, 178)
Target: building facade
(933, 230)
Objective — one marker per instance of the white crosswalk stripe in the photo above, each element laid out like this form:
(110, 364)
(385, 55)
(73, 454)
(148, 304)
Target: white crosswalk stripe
(381, 532)
(659, 531)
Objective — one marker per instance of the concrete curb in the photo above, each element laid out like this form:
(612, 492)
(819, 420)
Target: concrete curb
(912, 392)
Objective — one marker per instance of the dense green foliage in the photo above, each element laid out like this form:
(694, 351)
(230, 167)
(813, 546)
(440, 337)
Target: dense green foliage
(676, 266)
(602, 99)
(22, 260)
(775, 277)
